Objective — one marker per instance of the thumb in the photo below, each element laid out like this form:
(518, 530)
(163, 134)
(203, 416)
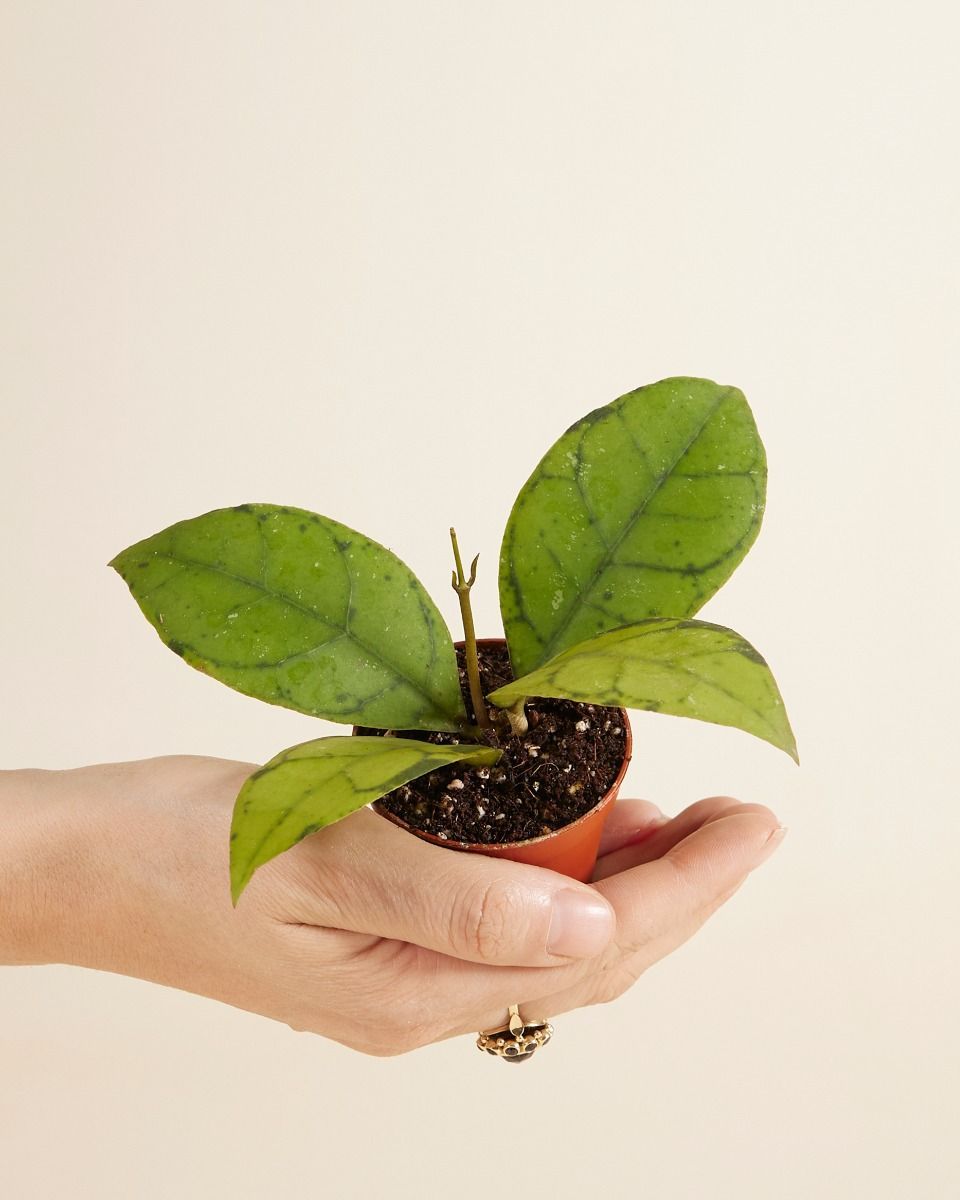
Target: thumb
(368, 876)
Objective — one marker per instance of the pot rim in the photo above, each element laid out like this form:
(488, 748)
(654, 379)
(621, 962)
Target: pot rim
(608, 796)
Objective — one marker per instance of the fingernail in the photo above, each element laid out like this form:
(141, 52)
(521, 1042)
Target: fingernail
(653, 824)
(772, 842)
(581, 925)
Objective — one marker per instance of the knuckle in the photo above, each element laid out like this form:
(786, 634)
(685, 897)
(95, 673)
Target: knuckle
(401, 1041)
(400, 1014)
(390, 1022)
(406, 1023)
(608, 993)
(486, 920)
(384, 1047)
(612, 984)
(378, 1049)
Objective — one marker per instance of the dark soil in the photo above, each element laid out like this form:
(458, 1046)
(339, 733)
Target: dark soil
(548, 777)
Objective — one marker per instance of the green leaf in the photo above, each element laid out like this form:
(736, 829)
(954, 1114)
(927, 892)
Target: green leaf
(314, 784)
(686, 668)
(642, 509)
(299, 610)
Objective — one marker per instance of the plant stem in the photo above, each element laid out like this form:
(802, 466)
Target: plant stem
(518, 718)
(462, 586)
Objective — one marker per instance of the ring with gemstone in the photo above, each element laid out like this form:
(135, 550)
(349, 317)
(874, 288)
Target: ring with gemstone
(516, 1041)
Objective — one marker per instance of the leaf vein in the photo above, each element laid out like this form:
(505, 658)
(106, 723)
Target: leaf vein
(607, 557)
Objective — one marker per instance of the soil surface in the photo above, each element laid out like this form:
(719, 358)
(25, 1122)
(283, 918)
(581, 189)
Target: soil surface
(546, 778)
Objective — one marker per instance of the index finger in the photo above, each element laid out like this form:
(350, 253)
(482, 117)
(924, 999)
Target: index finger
(680, 889)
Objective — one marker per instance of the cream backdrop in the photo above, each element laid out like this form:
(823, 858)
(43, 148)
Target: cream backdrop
(371, 258)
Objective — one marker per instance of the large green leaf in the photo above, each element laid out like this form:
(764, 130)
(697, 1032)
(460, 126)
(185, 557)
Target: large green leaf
(299, 610)
(686, 668)
(312, 785)
(642, 509)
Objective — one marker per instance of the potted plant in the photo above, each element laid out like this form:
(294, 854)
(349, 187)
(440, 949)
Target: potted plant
(627, 526)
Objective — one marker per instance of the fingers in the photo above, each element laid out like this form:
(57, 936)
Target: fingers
(609, 984)
(365, 875)
(658, 905)
(651, 842)
(630, 821)
(672, 895)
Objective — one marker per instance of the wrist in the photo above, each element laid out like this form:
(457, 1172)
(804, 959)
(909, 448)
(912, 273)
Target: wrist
(42, 858)
(120, 867)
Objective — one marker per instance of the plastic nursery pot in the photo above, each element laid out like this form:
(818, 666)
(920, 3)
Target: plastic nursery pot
(571, 850)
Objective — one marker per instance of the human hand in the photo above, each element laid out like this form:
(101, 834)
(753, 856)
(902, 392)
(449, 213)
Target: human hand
(362, 933)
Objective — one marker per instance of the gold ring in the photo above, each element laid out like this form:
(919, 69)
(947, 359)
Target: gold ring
(517, 1040)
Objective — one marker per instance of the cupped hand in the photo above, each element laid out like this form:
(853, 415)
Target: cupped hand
(367, 935)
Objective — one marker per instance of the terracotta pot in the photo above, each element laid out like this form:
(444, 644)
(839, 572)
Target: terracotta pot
(571, 850)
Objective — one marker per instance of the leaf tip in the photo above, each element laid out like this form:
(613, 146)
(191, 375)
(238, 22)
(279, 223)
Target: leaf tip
(238, 882)
(125, 560)
(789, 743)
(786, 742)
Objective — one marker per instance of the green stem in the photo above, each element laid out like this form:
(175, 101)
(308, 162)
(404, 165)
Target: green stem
(462, 586)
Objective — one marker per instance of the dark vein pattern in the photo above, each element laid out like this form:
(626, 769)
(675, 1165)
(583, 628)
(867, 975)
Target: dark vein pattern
(685, 668)
(299, 610)
(642, 509)
(312, 785)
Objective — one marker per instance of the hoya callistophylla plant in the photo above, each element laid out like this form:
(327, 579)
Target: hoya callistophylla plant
(628, 525)
(631, 521)
(298, 610)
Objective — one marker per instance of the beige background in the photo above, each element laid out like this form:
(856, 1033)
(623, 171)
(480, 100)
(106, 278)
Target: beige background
(252, 251)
